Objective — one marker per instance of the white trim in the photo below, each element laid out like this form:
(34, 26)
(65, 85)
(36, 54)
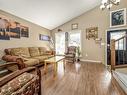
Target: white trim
(125, 20)
(94, 61)
(106, 48)
(119, 28)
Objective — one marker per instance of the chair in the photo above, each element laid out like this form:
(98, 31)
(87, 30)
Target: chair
(21, 82)
(70, 55)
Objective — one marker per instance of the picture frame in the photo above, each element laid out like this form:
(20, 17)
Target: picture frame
(74, 26)
(10, 29)
(4, 28)
(15, 29)
(118, 18)
(92, 33)
(24, 31)
(44, 37)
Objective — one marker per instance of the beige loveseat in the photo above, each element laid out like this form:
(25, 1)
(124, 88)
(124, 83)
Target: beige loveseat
(27, 56)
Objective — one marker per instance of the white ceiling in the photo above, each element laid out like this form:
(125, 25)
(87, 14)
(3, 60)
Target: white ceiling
(48, 13)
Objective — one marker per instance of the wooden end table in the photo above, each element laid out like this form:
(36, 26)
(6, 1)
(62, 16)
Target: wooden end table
(54, 60)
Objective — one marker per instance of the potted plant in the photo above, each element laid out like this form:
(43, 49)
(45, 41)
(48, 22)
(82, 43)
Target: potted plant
(78, 53)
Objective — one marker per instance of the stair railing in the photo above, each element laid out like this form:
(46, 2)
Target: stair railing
(117, 64)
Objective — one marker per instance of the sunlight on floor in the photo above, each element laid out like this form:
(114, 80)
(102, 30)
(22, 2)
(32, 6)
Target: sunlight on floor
(61, 70)
(77, 66)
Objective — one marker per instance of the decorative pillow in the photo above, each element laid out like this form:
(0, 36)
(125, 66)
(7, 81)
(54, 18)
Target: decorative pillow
(16, 84)
(34, 51)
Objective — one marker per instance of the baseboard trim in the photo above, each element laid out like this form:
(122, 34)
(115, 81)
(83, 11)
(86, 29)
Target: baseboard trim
(93, 61)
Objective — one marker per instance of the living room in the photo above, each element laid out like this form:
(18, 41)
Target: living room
(79, 49)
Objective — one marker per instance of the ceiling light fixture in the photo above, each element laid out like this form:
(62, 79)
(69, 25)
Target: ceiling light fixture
(108, 4)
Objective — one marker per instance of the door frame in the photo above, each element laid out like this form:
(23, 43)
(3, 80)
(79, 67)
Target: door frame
(118, 29)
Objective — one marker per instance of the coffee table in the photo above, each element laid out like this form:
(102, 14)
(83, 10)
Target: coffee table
(54, 60)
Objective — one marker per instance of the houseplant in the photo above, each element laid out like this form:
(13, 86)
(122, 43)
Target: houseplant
(78, 53)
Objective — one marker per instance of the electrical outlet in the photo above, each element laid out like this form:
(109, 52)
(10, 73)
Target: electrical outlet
(86, 54)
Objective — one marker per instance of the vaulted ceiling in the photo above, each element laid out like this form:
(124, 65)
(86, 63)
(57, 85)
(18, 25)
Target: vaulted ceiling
(48, 13)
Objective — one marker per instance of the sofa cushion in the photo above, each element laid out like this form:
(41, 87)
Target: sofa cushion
(16, 84)
(20, 52)
(31, 62)
(42, 50)
(34, 51)
(25, 52)
(41, 58)
(45, 51)
(16, 51)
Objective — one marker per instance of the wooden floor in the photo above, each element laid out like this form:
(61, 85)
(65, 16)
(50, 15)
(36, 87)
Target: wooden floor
(80, 79)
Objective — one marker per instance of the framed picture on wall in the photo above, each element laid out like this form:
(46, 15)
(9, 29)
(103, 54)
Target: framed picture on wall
(14, 29)
(44, 37)
(24, 31)
(118, 18)
(4, 28)
(74, 26)
(92, 33)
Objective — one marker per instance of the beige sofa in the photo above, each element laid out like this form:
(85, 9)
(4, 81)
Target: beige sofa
(27, 56)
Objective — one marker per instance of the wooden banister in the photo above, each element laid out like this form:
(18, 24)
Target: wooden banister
(113, 53)
(112, 48)
(121, 38)
(121, 66)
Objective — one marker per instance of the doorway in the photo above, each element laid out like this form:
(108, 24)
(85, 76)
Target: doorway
(120, 47)
(60, 43)
(65, 39)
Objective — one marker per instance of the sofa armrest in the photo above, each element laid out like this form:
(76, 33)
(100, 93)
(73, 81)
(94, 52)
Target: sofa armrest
(49, 52)
(53, 52)
(13, 75)
(18, 60)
